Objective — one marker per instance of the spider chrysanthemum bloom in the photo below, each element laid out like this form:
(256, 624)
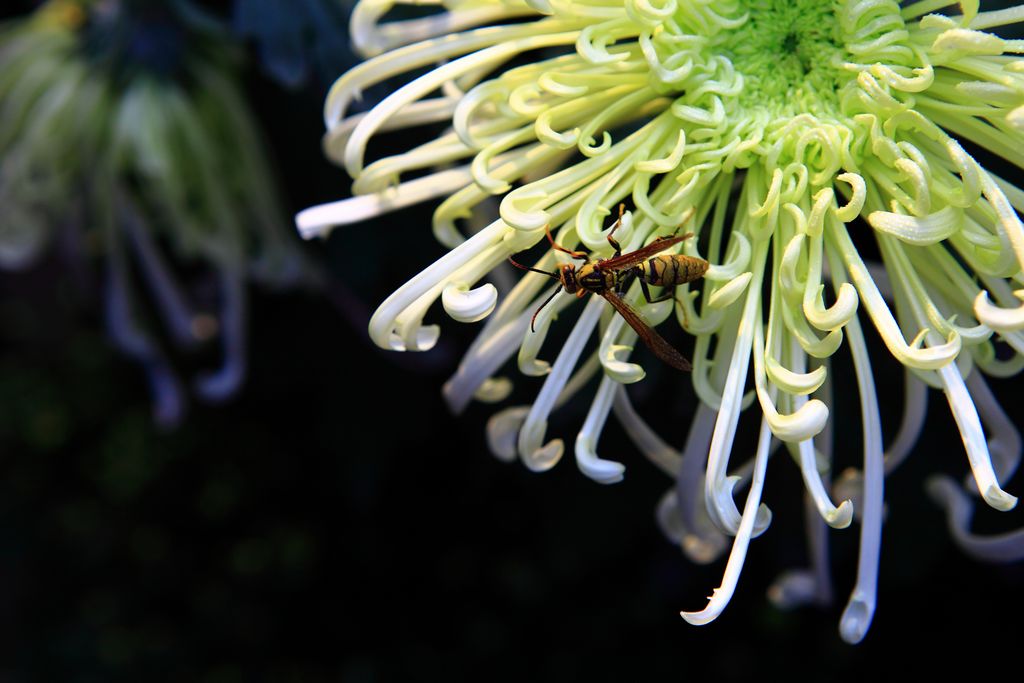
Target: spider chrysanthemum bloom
(799, 134)
(124, 134)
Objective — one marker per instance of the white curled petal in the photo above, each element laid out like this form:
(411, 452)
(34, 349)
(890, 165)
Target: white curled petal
(319, 221)
(915, 408)
(718, 493)
(1008, 547)
(996, 317)
(503, 432)
(537, 455)
(1016, 119)
(643, 437)
(479, 364)
(860, 608)
(919, 231)
(794, 588)
(853, 208)
(469, 305)
(970, 42)
(836, 315)
(802, 424)
(966, 416)
(615, 357)
(514, 209)
(728, 294)
(387, 320)
(721, 595)
(836, 517)
(493, 390)
(799, 383)
(600, 470)
(739, 247)
(1004, 442)
(667, 514)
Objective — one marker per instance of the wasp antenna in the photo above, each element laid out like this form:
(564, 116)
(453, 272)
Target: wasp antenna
(546, 302)
(532, 270)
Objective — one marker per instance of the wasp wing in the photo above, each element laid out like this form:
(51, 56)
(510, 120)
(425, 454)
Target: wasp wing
(655, 342)
(640, 255)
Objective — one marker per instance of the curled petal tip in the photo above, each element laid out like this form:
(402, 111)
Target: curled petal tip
(494, 390)
(762, 521)
(310, 224)
(503, 432)
(806, 422)
(728, 294)
(605, 471)
(469, 305)
(705, 616)
(794, 589)
(544, 458)
(423, 339)
(997, 317)
(534, 367)
(702, 550)
(217, 387)
(600, 470)
(856, 620)
(1016, 119)
(618, 368)
(520, 217)
(999, 499)
(722, 506)
(535, 454)
(840, 517)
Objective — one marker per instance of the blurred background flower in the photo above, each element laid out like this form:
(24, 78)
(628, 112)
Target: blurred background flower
(831, 153)
(297, 39)
(125, 138)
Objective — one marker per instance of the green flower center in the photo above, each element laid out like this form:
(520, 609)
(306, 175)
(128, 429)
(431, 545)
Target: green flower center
(789, 52)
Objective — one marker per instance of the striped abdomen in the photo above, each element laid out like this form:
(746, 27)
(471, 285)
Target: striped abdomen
(672, 269)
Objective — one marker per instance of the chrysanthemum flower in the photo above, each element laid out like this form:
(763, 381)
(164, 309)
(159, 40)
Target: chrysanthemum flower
(121, 123)
(805, 135)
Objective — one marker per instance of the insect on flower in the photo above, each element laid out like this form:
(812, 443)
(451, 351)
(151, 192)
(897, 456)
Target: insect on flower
(850, 163)
(611, 277)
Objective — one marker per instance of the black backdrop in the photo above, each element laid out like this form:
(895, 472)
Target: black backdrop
(336, 523)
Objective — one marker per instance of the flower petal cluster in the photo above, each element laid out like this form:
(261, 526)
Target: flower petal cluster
(121, 123)
(828, 151)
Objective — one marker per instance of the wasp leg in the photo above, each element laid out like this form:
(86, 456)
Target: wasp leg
(558, 247)
(624, 282)
(669, 294)
(687, 215)
(618, 223)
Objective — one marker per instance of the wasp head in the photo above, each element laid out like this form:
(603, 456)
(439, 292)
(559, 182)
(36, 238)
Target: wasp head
(567, 276)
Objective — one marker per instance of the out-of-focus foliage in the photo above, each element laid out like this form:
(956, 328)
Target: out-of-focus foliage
(297, 39)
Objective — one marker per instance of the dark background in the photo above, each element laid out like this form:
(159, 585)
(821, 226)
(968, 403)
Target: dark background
(336, 523)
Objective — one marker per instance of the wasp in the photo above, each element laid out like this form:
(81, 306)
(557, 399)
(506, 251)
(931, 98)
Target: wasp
(610, 277)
